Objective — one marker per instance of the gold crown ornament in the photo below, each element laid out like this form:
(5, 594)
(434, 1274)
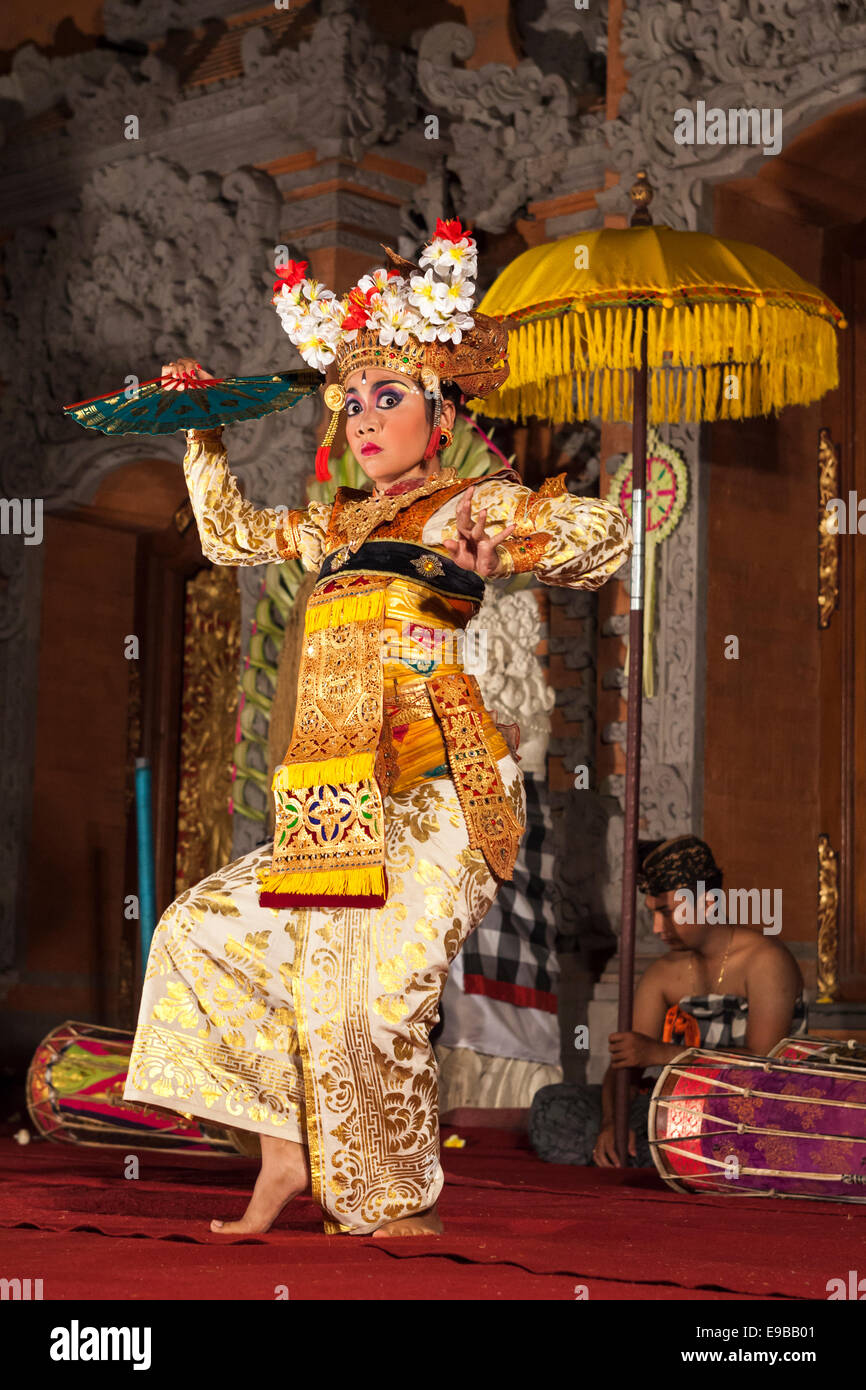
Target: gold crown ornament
(418, 324)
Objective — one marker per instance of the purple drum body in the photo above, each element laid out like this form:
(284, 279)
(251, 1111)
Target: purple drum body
(722, 1122)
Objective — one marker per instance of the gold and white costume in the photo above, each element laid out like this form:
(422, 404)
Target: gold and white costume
(311, 1022)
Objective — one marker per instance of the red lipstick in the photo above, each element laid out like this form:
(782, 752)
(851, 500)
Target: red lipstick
(370, 449)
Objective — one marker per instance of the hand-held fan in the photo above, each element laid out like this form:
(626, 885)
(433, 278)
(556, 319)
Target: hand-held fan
(153, 408)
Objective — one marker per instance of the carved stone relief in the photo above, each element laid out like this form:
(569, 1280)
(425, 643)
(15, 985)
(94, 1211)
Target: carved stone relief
(806, 57)
(510, 129)
(340, 91)
(155, 263)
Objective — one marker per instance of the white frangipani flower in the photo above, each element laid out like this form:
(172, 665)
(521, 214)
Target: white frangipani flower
(428, 294)
(448, 256)
(429, 332)
(459, 295)
(380, 281)
(289, 295)
(317, 350)
(453, 330)
(316, 292)
(329, 311)
(394, 319)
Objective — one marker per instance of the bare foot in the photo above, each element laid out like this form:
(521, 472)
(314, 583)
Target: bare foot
(284, 1174)
(426, 1223)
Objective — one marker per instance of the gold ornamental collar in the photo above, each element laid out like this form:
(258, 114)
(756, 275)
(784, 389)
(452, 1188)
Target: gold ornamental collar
(361, 512)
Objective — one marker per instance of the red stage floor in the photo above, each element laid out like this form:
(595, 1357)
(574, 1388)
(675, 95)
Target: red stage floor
(516, 1228)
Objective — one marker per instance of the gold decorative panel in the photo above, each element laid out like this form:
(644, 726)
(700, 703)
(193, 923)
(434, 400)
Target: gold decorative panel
(828, 921)
(828, 541)
(211, 659)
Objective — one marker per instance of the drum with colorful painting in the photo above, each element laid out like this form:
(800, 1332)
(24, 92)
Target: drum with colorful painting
(726, 1122)
(820, 1050)
(75, 1095)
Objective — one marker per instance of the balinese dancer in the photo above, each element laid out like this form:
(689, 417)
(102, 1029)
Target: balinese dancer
(293, 992)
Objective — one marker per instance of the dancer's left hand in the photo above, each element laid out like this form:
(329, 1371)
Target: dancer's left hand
(473, 549)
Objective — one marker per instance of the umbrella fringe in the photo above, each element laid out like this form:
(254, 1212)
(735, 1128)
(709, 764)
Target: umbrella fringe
(719, 361)
(617, 357)
(567, 365)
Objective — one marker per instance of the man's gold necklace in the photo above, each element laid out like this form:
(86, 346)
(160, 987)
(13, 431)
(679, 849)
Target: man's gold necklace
(724, 962)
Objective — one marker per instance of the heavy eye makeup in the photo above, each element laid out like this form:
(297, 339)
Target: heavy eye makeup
(387, 399)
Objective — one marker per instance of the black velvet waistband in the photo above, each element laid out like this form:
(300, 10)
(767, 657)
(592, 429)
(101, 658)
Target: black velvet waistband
(407, 561)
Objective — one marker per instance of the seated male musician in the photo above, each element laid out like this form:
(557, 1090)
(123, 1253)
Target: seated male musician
(718, 986)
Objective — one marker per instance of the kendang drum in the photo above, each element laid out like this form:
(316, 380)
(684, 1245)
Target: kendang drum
(725, 1122)
(831, 1050)
(75, 1095)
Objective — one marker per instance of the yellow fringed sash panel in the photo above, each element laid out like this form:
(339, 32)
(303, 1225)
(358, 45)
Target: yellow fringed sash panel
(338, 717)
(329, 844)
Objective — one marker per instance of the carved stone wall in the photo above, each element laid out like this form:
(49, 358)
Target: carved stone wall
(805, 57)
(513, 135)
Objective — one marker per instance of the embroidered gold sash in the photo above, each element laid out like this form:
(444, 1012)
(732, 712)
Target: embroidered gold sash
(329, 845)
(490, 820)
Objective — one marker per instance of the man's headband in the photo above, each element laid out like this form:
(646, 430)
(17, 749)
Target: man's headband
(678, 863)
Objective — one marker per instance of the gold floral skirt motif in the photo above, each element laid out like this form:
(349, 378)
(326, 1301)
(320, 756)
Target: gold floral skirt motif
(314, 1025)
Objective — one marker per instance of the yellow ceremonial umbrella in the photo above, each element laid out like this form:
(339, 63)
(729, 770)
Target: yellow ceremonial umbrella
(730, 330)
(649, 323)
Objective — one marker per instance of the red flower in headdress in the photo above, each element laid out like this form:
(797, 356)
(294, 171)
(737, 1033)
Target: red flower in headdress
(357, 315)
(290, 274)
(451, 230)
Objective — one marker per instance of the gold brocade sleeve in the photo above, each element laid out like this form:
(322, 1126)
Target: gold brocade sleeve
(233, 531)
(571, 542)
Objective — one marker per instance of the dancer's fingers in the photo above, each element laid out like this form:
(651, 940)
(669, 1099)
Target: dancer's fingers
(463, 515)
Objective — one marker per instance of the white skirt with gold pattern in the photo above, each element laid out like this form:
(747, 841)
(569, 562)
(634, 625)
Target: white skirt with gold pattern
(314, 1025)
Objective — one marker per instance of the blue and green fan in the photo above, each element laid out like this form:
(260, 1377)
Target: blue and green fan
(149, 408)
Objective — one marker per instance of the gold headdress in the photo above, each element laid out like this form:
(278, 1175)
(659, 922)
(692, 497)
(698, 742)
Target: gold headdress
(418, 326)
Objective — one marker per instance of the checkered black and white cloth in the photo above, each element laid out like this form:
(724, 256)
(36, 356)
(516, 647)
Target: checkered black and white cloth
(511, 956)
(723, 1019)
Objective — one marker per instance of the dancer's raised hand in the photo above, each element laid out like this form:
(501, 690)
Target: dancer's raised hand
(474, 549)
(175, 375)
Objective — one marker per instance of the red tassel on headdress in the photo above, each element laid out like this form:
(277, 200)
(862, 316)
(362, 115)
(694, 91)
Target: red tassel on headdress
(433, 445)
(322, 454)
(335, 399)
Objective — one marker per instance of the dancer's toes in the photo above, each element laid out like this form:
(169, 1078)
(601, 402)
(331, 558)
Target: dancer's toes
(270, 1194)
(239, 1228)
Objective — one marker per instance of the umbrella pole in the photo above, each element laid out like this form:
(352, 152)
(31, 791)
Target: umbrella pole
(633, 743)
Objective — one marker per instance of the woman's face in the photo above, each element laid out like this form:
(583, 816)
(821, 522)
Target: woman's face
(387, 427)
